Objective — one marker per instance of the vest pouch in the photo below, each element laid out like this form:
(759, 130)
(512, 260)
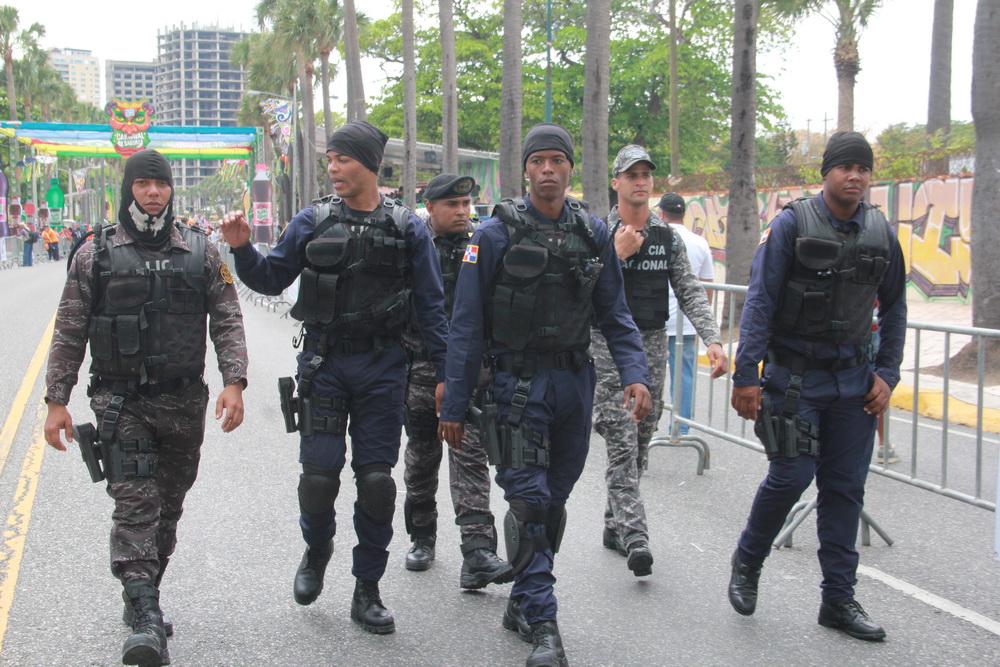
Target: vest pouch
(328, 252)
(317, 296)
(127, 294)
(871, 268)
(386, 253)
(524, 262)
(815, 307)
(101, 336)
(817, 254)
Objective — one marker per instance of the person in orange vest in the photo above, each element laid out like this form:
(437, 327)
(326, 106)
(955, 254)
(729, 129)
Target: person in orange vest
(51, 239)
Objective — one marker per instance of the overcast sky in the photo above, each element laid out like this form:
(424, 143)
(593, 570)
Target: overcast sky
(891, 88)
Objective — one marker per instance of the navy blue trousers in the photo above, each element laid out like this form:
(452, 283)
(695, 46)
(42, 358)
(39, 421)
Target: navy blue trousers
(560, 405)
(834, 401)
(374, 384)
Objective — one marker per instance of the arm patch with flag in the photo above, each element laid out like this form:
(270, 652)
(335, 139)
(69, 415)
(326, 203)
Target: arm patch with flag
(471, 254)
(763, 237)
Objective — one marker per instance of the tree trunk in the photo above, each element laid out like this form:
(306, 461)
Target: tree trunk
(595, 106)
(11, 90)
(939, 89)
(675, 130)
(449, 89)
(847, 63)
(511, 173)
(308, 130)
(356, 108)
(743, 219)
(324, 65)
(409, 110)
(986, 189)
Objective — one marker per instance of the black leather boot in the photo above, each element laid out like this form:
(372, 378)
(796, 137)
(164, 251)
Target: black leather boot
(743, 586)
(309, 577)
(148, 644)
(367, 609)
(848, 616)
(548, 651)
(421, 554)
(611, 541)
(513, 619)
(640, 559)
(481, 567)
(128, 616)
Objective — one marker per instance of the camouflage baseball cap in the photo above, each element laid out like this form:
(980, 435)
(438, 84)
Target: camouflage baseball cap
(628, 156)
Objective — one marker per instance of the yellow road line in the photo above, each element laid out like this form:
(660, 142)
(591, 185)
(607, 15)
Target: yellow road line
(15, 532)
(24, 393)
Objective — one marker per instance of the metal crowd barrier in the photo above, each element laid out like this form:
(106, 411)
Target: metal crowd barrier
(13, 252)
(943, 453)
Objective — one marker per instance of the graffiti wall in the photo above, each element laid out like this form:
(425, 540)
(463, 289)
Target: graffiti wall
(930, 217)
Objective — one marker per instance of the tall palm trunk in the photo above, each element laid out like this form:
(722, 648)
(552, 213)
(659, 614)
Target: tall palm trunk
(324, 68)
(847, 63)
(743, 219)
(939, 88)
(511, 173)
(308, 157)
(356, 109)
(449, 88)
(8, 62)
(595, 106)
(409, 110)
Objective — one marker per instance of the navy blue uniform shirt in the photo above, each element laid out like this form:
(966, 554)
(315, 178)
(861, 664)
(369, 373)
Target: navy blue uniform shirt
(272, 274)
(472, 298)
(768, 276)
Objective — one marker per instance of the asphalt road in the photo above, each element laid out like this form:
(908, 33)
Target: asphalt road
(228, 587)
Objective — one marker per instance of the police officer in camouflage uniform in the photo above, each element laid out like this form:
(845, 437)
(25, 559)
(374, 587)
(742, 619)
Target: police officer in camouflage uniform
(532, 278)
(359, 258)
(140, 292)
(653, 259)
(449, 204)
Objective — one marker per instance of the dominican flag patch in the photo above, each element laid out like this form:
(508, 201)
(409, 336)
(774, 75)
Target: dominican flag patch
(471, 254)
(763, 237)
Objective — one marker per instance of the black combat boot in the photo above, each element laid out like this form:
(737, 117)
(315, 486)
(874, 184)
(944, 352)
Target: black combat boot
(513, 619)
(367, 609)
(128, 616)
(148, 644)
(743, 586)
(640, 559)
(421, 553)
(309, 577)
(848, 616)
(481, 567)
(611, 541)
(548, 651)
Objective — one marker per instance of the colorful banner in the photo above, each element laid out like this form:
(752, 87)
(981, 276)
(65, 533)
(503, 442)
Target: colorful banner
(130, 121)
(279, 113)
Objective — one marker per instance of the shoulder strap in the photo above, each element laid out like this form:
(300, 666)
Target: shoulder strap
(326, 212)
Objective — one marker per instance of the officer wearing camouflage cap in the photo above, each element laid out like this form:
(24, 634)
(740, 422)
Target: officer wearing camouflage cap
(449, 203)
(653, 259)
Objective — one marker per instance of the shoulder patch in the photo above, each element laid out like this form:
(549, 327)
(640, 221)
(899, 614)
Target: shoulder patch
(763, 237)
(471, 254)
(226, 276)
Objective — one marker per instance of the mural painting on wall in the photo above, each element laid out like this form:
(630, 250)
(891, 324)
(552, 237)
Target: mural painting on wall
(930, 217)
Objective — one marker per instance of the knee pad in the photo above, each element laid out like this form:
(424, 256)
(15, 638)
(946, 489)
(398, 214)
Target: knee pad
(318, 489)
(376, 492)
(555, 526)
(521, 547)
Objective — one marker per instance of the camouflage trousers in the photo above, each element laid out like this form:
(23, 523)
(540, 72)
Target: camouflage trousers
(147, 509)
(469, 471)
(627, 442)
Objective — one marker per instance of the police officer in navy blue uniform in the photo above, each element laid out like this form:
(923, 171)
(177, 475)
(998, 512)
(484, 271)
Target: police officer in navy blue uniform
(359, 258)
(532, 278)
(818, 266)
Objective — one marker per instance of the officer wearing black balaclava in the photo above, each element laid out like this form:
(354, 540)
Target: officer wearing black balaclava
(147, 204)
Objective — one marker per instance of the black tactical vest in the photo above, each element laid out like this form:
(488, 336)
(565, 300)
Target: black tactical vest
(832, 286)
(647, 277)
(354, 282)
(541, 299)
(149, 322)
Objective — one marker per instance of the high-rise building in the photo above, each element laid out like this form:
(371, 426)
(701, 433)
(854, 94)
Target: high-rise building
(129, 79)
(81, 70)
(196, 84)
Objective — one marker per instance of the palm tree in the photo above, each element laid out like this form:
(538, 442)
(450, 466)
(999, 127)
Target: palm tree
(356, 108)
(409, 110)
(595, 106)
(675, 107)
(939, 90)
(511, 173)
(10, 38)
(31, 71)
(743, 221)
(849, 18)
(449, 88)
(986, 189)
(328, 35)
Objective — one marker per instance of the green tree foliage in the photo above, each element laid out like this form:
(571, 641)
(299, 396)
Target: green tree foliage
(639, 75)
(902, 151)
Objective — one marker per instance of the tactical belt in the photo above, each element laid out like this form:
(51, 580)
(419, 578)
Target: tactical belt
(348, 346)
(522, 364)
(789, 360)
(123, 387)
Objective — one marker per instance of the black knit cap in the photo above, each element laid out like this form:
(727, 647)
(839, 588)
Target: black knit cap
(847, 148)
(547, 137)
(360, 140)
